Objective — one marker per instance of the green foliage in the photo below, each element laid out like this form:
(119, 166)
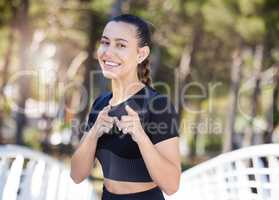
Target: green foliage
(219, 18)
(4, 33)
(192, 8)
(213, 143)
(101, 6)
(32, 138)
(7, 10)
(213, 28)
(251, 28)
(250, 7)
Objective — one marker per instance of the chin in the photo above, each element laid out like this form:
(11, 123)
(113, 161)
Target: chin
(110, 75)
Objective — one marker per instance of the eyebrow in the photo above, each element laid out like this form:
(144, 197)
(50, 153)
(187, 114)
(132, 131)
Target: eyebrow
(117, 39)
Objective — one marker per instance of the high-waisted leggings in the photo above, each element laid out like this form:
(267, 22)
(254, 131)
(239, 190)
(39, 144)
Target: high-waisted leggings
(151, 194)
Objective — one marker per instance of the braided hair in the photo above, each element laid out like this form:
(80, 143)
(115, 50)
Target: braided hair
(144, 39)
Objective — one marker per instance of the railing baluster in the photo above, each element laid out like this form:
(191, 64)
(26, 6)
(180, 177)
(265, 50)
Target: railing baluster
(250, 173)
(12, 185)
(4, 168)
(36, 176)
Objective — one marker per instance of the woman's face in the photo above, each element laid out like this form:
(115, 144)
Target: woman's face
(118, 51)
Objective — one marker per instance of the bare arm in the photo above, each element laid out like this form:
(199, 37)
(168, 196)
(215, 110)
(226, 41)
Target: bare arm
(84, 157)
(162, 159)
(163, 162)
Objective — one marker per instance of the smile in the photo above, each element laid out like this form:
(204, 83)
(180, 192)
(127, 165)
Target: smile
(111, 64)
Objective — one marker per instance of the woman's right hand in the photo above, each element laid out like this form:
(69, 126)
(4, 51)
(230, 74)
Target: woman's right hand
(103, 123)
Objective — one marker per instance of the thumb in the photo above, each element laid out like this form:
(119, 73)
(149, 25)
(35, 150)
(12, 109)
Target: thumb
(117, 122)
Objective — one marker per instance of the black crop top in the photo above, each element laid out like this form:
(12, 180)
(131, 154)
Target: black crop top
(118, 154)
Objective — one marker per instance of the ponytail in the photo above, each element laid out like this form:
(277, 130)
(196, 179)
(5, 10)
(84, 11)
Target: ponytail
(144, 73)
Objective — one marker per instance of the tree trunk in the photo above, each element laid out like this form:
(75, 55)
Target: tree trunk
(7, 61)
(182, 75)
(258, 58)
(272, 117)
(195, 137)
(90, 65)
(183, 72)
(5, 72)
(117, 8)
(273, 113)
(188, 60)
(235, 82)
(23, 28)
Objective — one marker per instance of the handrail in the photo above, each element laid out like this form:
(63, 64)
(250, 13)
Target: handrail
(248, 173)
(26, 174)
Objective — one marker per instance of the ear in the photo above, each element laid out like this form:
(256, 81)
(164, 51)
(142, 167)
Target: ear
(143, 53)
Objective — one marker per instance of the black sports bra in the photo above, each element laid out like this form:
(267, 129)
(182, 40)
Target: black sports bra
(118, 154)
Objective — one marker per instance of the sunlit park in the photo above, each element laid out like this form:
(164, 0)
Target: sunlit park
(216, 60)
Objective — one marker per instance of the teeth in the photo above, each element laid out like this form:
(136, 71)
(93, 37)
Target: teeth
(111, 63)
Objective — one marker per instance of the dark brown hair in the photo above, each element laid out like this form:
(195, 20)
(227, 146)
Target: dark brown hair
(144, 39)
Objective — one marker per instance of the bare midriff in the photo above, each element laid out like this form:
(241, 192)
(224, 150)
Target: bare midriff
(123, 187)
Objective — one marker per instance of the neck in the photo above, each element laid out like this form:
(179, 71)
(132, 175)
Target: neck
(122, 89)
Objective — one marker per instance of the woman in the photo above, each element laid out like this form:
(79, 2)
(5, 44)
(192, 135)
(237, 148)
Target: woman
(132, 130)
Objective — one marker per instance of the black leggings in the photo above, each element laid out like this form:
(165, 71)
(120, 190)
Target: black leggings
(151, 194)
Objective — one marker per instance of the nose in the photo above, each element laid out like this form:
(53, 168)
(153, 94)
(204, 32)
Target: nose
(108, 51)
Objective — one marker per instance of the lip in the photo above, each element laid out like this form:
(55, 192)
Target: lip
(107, 66)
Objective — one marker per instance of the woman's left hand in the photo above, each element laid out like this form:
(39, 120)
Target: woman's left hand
(130, 124)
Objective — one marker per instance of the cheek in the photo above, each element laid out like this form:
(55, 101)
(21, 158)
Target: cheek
(99, 52)
(128, 56)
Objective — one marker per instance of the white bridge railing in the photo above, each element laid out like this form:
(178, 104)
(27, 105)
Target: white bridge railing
(251, 173)
(29, 175)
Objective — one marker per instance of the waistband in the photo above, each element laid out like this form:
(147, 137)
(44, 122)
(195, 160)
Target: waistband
(153, 193)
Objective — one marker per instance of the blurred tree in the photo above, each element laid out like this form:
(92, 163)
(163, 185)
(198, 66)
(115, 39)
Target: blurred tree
(94, 24)
(8, 11)
(258, 62)
(196, 134)
(273, 112)
(258, 33)
(193, 43)
(23, 83)
(117, 8)
(271, 44)
(240, 24)
(235, 84)
(8, 19)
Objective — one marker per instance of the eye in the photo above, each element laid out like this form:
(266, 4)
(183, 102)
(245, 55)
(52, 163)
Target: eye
(119, 45)
(104, 42)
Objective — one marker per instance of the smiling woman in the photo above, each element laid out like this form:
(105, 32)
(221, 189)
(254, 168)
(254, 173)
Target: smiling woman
(121, 52)
(139, 159)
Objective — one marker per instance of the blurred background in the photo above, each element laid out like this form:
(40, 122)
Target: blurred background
(216, 59)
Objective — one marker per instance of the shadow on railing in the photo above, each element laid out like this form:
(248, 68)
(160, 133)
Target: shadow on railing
(29, 175)
(251, 173)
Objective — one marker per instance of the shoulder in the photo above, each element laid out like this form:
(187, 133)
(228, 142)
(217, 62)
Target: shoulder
(101, 100)
(154, 96)
(163, 118)
(159, 102)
